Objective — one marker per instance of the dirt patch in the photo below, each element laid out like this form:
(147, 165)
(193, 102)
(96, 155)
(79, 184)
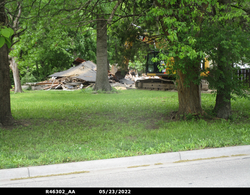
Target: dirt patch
(151, 126)
(16, 124)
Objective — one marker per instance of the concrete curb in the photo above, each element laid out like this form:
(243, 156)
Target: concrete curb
(124, 162)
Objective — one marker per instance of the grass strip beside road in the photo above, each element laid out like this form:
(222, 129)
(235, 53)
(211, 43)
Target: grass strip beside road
(63, 126)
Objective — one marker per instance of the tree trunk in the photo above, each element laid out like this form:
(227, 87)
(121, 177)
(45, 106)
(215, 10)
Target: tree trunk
(189, 96)
(223, 105)
(5, 111)
(15, 71)
(223, 97)
(102, 82)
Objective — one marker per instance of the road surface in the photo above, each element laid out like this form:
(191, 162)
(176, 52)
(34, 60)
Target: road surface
(219, 172)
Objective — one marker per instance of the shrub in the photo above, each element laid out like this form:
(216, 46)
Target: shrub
(28, 78)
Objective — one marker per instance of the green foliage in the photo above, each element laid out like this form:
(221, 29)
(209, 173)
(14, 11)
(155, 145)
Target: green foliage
(126, 45)
(126, 34)
(193, 30)
(28, 78)
(138, 64)
(180, 34)
(5, 36)
(227, 44)
(48, 50)
(51, 36)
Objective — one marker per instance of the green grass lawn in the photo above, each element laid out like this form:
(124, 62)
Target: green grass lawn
(62, 126)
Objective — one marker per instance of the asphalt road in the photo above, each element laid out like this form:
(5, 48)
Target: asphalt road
(220, 172)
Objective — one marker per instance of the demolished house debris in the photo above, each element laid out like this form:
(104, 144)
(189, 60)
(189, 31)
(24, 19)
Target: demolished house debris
(78, 77)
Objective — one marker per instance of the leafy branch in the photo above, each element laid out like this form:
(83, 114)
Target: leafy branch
(5, 36)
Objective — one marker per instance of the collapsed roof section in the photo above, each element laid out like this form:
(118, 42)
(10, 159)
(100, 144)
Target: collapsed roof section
(78, 61)
(85, 71)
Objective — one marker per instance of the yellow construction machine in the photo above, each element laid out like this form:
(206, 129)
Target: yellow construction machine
(161, 76)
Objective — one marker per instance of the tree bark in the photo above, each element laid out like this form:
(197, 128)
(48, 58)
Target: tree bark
(223, 105)
(189, 96)
(102, 82)
(15, 71)
(5, 111)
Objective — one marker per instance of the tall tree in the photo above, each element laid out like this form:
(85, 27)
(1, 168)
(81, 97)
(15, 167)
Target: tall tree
(181, 26)
(227, 47)
(224, 67)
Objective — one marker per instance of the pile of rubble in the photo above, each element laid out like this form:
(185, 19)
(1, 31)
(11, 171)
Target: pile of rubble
(79, 77)
(65, 83)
